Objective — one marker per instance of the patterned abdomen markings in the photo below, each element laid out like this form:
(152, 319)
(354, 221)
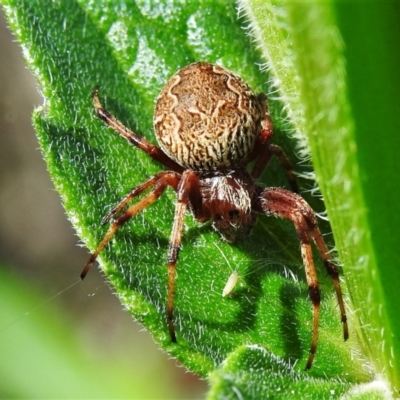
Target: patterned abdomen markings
(207, 118)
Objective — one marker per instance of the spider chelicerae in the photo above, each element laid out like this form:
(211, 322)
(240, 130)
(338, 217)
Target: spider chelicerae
(210, 126)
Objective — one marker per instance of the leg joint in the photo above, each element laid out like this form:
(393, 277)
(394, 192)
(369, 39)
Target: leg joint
(315, 295)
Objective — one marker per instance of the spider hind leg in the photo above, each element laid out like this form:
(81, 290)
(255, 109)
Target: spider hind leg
(138, 141)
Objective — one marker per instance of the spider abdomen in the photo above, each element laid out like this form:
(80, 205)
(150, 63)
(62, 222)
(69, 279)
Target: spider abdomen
(208, 118)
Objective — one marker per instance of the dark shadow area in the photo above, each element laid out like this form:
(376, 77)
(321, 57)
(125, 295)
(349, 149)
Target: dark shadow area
(289, 322)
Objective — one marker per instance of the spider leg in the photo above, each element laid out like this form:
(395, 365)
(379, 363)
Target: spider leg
(285, 204)
(168, 178)
(264, 151)
(188, 182)
(136, 191)
(323, 250)
(333, 273)
(153, 151)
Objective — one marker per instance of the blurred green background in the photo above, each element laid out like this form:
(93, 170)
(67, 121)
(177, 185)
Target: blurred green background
(61, 346)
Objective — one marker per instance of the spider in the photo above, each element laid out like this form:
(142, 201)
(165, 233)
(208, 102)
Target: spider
(210, 125)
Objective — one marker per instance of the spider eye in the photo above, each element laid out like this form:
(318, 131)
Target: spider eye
(233, 214)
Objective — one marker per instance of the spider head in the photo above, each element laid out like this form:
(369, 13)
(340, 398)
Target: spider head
(227, 198)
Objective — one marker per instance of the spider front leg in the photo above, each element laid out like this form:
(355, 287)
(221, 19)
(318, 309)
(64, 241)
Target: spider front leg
(136, 191)
(159, 182)
(285, 204)
(188, 189)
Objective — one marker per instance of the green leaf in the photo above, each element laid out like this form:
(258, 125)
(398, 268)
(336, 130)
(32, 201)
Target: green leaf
(355, 167)
(130, 49)
(373, 92)
(242, 376)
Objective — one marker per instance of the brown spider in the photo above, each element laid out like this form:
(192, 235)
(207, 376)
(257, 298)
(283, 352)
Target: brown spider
(210, 126)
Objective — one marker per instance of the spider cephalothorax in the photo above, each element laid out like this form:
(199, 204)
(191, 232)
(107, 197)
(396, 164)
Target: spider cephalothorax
(210, 126)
